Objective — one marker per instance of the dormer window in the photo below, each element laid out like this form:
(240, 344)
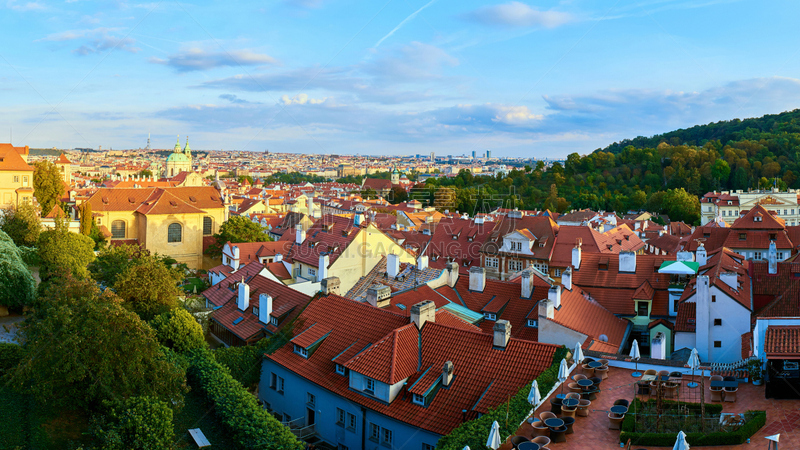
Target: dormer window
(255, 310)
(301, 351)
(490, 316)
(369, 386)
(742, 236)
(419, 399)
(273, 321)
(340, 369)
(533, 323)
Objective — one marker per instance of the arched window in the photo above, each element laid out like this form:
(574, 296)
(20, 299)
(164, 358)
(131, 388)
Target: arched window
(118, 229)
(174, 232)
(208, 225)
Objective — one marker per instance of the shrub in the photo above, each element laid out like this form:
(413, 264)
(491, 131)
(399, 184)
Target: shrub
(178, 330)
(474, 433)
(250, 426)
(10, 356)
(136, 423)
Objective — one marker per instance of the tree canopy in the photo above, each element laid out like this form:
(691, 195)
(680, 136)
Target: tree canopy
(141, 423)
(21, 223)
(148, 287)
(17, 287)
(60, 249)
(237, 229)
(177, 329)
(48, 185)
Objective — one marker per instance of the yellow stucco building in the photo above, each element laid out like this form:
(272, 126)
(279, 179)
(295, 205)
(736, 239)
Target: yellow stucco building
(174, 221)
(16, 175)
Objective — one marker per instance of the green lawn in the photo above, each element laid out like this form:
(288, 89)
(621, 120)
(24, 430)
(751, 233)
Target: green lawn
(199, 414)
(191, 283)
(25, 424)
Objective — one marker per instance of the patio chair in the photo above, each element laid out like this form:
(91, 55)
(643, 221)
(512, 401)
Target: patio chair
(663, 373)
(643, 388)
(543, 441)
(578, 376)
(716, 378)
(650, 372)
(574, 395)
(602, 372)
(596, 381)
(569, 422)
(588, 371)
(574, 387)
(717, 395)
(603, 362)
(568, 412)
(615, 421)
(540, 429)
(671, 389)
(583, 408)
(622, 402)
(675, 375)
(547, 415)
(587, 360)
(558, 434)
(516, 440)
(730, 394)
(555, 405)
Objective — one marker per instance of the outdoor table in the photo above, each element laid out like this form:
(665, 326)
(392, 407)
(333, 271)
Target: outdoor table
(664, 377)
(528, 446)
(619, 409)
(648, 377)
(570, 402)
(595, 364)
(561, 396)
(554, 423)
(586, 383)
(724, 384)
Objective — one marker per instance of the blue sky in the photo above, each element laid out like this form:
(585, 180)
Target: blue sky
(539, 79)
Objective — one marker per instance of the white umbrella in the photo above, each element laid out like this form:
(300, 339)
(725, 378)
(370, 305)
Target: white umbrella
(577, 355)
(680, 443)
(466, 447)
(494, 437)
(694, 363)
(534, 397)
(635, 355)
(563, 372)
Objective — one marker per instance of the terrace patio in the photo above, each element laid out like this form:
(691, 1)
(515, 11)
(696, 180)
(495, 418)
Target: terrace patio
(592, 432)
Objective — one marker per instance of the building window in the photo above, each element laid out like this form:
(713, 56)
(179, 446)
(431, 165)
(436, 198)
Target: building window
(118, 229)
(757, 256)
(255, 310)
(490, 316)
(351, 421)
(515, 266)
(369, 385)
(492, 263)
(301, 351)
(713, 298)
(16, 178)
(533, 323)
(310, 398)
(312, 272)
(276, 383)
(24, 178)
(419, 399)
(717, 344)
(557, 272)
(208, 226)
(641, 309)
(273, 321)
(174, 232)
(717, 322)
(675, 305)
(387, 437)
(742, 236)
(427, 447)
(340, 369)
(374, 432)
(339, 416)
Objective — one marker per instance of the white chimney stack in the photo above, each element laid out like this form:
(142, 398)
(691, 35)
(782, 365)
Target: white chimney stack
(392, 265)
(546, 309)
(264, 308)
(422, 312)
(554, 295)
(502, 333)
(566, 278)
(300, 235)
(452, 273)
(422, 262)
(527, 283)
(576, 256)
(700, 255)
(379, 295)
(447, 374)
(322, 270)
(702, 314)
(627, 262)
(278, 257)
(477, 279)
(772, 258)
(243, 300)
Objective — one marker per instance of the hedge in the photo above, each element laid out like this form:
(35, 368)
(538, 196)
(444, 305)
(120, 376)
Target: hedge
(249, 426)
(10, 356)
(754, 420)
(474, 433)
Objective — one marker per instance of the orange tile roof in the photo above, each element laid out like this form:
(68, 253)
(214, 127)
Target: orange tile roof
(62, 159)
(10, 159)
(782, 342)
(590, 318)
(392, 359)
(131, 199)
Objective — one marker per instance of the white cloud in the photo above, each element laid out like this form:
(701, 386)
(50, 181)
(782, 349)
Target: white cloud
(24, 6)
(199, 59)
(97, 40)
(301, 99)
(518, 14)
(516, 115)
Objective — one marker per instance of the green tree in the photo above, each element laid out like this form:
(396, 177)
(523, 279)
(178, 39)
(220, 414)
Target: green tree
(145, 173)
(21, 223)
(87, 221)
(138, 423)
(721, 170)
(112, 261)
(148, 287)
(17, 287)
(60, 249)
(48, 186)
(83, 347)
(397, 195)
(236, 229)
(177, 329)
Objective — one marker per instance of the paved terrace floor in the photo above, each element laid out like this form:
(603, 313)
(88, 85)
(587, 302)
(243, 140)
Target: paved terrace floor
(783, 416)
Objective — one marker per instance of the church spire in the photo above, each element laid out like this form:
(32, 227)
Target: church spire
(177, 145)
(187, 150)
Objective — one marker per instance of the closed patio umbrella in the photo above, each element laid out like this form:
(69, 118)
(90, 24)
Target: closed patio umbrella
(563, 373)
(635, 355)
(577, 354)
(694, 363)
(494, 437)
(534, 397)
(680, 443)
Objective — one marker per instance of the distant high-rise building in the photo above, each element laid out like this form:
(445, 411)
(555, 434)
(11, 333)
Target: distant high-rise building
(433, 157)
(474, 153)
(488, 154)
(148, 141)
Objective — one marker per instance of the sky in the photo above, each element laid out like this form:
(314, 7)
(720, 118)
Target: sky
(388, 77)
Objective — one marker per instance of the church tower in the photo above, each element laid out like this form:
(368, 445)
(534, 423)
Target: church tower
(395, 176)
(178, 161)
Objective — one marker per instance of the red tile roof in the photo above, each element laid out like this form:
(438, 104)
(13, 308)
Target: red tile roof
(543, 227)
(687, 318)
(156, 200)
(590, 318)
(758, 218)
(330, 234)
(782, 342)
(10, 159)
(393, 358)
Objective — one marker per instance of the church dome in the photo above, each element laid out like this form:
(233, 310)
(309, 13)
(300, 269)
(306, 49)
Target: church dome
(178, 157)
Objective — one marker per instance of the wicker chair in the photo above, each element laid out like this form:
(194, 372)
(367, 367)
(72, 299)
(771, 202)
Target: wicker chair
(588, 371)
(730, 394)
(615, 421)
(568, 412)
(672, 389)
(663, 373)
(601, 372)
(578, 376)
(574, 395)
(574, 387)
(583, 408)
(516, 440)
(650, 372)
(622, 402)
(547, 415)
(543, 441)
(603, 362)
(540, 429)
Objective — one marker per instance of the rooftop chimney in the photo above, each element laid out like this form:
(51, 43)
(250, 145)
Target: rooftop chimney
(477, 279)
(684, 256)
(392, 265)
(447, 374)
(452, 273)
(703, 311)
(772, 257)
(502, 333)
(330, 285)
(627, 262)
(243, 299)
(527, 283)
(379, 295)
(278, 257)
(566, 278)
(422, 262)
(322, 270)
(576, 255)
(264, 308)
(300, 235)
(700, 255)
(422, 312)
(546, 309)
(554, 295)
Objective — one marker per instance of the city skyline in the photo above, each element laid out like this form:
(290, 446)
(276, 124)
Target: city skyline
(325, 76)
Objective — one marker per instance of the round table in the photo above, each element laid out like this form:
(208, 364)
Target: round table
(595, 364)
(619, 409)
(528, 446)
(585, 383)
(570, 402)
(554, 423)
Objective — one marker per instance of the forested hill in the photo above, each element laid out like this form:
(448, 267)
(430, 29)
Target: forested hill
(724, 131)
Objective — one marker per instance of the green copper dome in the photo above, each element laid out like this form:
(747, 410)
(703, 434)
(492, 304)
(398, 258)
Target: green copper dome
(178, 157)
(177, 145)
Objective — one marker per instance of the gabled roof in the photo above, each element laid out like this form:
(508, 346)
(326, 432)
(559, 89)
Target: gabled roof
(782, 342)
(759, 218)
(542, 227)
(590, 318)
(331, 235)
(644, 291)
(10, 159)
(149, 200)
(390, 360)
